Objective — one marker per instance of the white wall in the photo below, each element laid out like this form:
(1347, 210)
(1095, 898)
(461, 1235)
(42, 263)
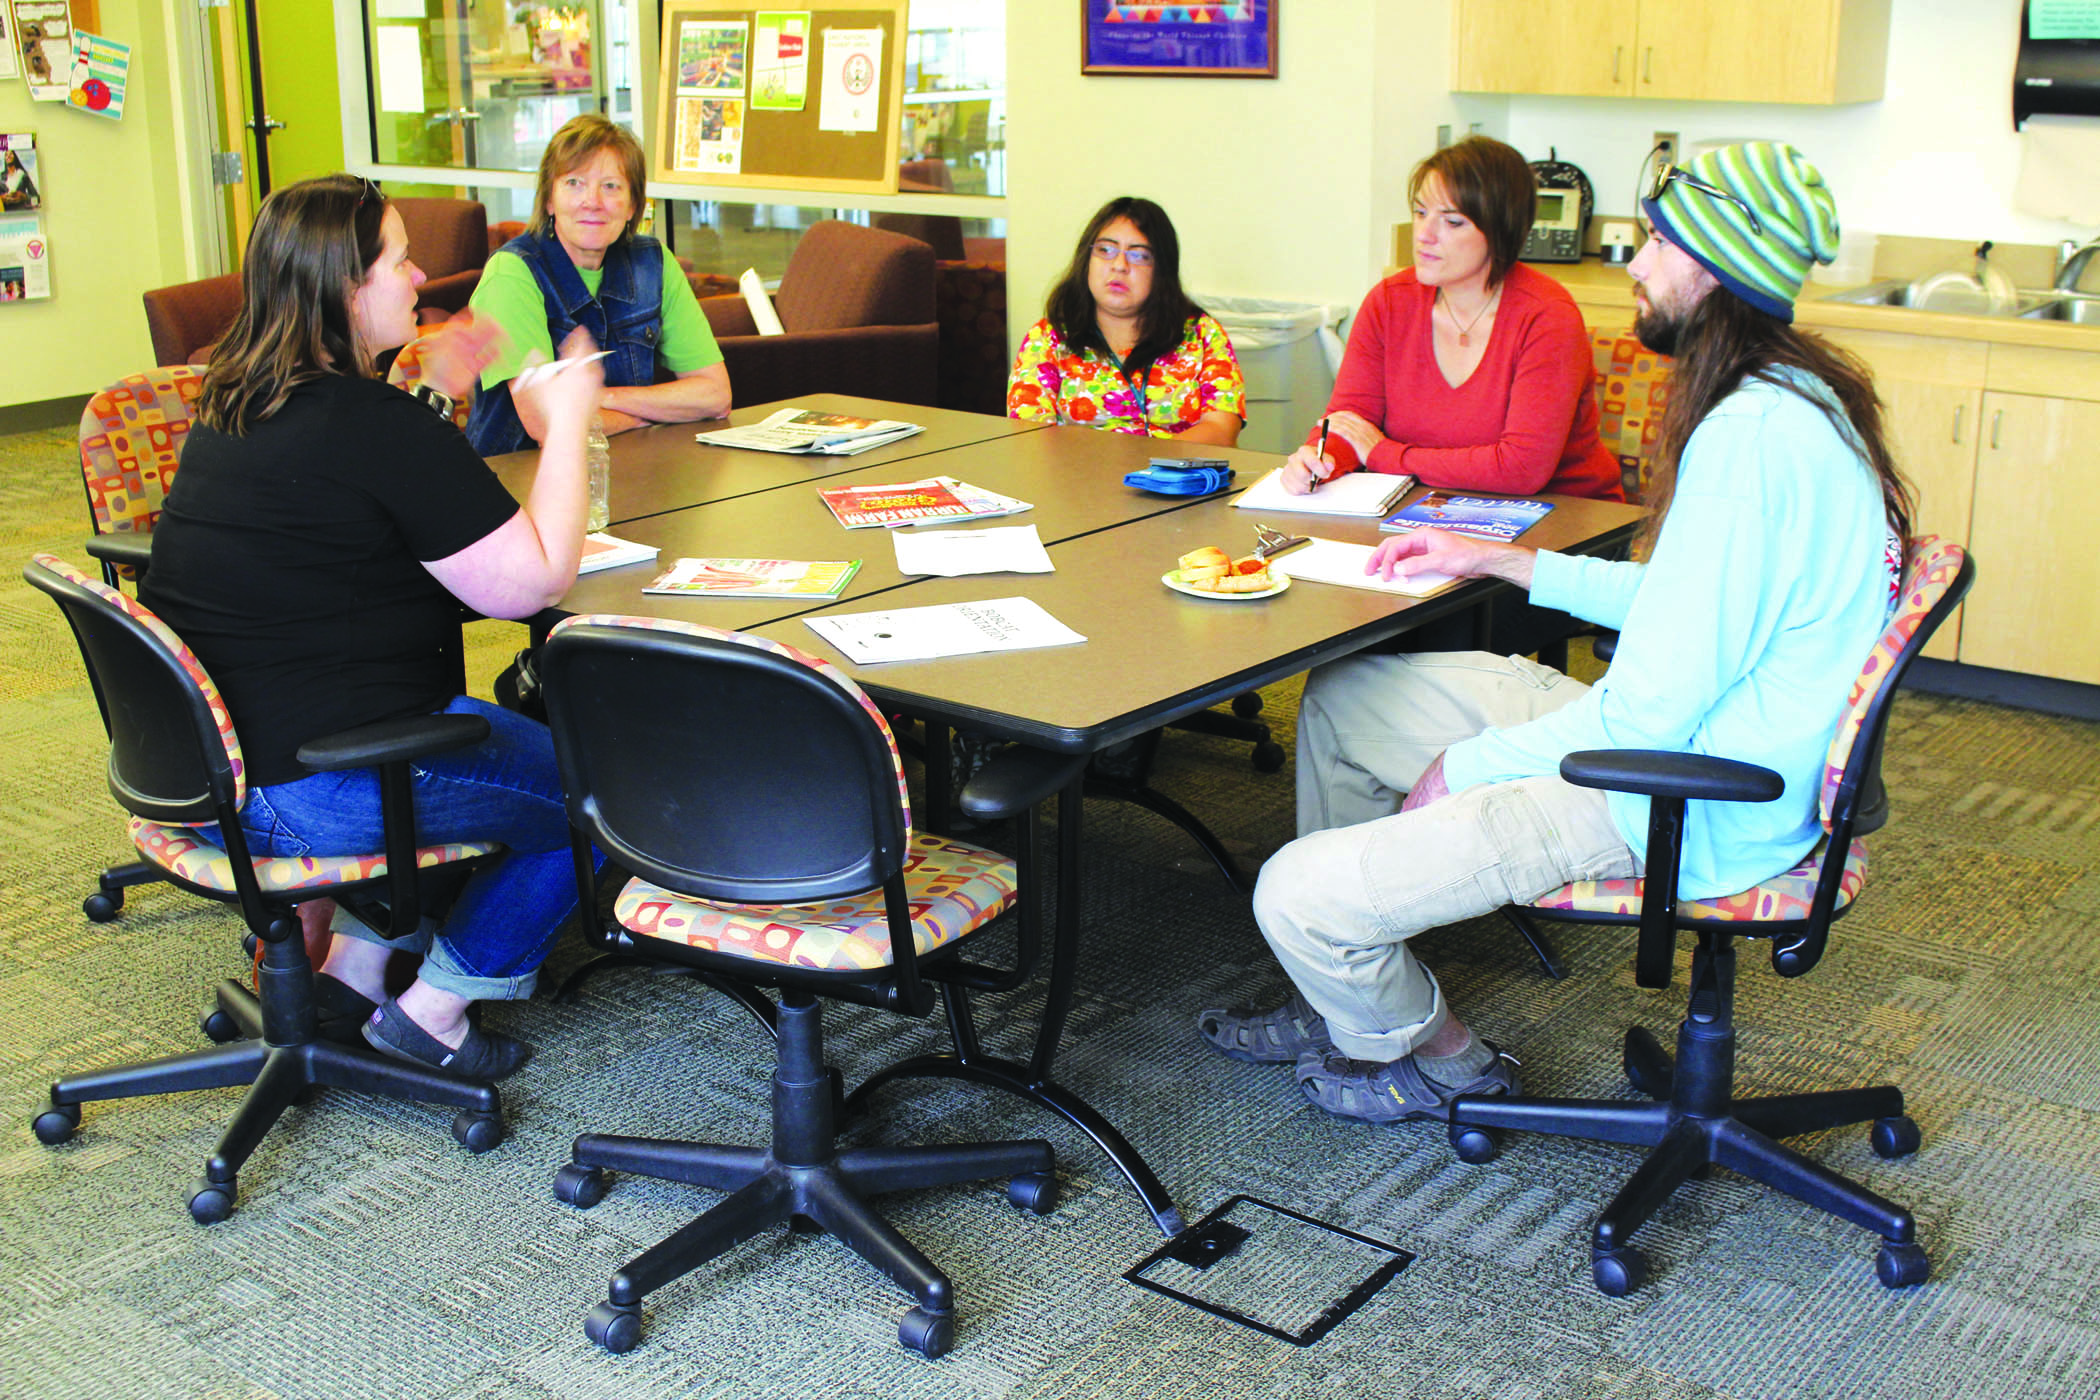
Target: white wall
(1937, 157)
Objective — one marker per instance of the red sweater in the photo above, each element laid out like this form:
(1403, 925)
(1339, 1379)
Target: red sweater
(1525, 421)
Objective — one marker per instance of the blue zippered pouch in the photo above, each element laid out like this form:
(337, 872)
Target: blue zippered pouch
(1179, 479)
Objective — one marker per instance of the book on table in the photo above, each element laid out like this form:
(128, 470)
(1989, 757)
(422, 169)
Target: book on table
(756, 578)
(1482, 517)
(1351, 493)
(911, 502)
(1339, 562)
(809, 430)
(603, 551)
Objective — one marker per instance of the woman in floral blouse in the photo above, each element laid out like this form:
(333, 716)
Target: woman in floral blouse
(1122, 347)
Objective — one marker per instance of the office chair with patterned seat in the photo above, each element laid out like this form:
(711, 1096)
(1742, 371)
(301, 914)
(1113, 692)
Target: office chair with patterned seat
(131, 437)
(1698, 1121)
(175, 764)
(758, 796)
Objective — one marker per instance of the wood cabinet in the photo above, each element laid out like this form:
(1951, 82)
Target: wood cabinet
(1805, 51)
(2037, 478)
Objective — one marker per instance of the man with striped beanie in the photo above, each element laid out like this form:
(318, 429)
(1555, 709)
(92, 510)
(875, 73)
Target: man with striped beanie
(1429, 787)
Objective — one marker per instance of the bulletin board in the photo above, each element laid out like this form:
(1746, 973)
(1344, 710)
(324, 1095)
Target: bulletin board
(807, 98)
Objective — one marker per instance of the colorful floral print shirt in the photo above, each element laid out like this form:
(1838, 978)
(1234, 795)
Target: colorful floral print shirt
(1050, 383)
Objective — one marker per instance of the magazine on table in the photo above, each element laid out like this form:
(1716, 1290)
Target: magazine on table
(945, 629)
(1483, 517)
(1351, 493)
(756, 578)
(1337, 561)
(809, 430)
(610, 552)
(910, 502)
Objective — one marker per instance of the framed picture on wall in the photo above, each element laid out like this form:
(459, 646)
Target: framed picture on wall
(1218, 39)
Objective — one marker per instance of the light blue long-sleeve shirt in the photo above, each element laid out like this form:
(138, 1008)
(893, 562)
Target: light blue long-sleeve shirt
(1740, 637)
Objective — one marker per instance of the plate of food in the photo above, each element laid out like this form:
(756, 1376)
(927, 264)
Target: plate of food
(1212, 574)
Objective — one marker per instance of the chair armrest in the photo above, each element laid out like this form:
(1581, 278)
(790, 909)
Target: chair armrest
(1016, 779)
(132, 547)
(1661, 773)
(392, 741)
(730, 315)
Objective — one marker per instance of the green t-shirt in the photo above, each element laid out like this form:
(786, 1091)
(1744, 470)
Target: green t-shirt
(509, 295)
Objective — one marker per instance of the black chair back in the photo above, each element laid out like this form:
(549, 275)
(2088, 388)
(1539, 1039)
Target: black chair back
(721, 768)
(167, 762)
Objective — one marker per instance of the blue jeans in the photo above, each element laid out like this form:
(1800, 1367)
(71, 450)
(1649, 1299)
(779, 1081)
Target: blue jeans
(504, 789)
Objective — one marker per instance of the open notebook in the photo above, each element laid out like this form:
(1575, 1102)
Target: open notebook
(1352, 493)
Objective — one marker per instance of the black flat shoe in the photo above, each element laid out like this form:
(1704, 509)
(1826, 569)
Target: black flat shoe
(482, 1056)
(340, 1010)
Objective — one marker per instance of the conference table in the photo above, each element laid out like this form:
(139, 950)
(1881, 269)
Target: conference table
(1151, 655)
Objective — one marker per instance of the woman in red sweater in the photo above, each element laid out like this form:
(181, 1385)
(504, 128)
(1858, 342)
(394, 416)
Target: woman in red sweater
(1470, 372)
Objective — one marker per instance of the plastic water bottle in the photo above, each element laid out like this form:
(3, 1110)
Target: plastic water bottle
(597, 455)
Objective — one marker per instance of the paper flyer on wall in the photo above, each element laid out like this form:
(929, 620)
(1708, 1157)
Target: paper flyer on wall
(780, 61)
(712, 64)
(21, 181)
(95, 84)
(852, 91)
(25, 258)
(43, 35)
(10, 54)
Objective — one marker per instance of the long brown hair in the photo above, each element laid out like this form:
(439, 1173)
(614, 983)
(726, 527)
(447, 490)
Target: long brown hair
(311, 246)
(1725, 341)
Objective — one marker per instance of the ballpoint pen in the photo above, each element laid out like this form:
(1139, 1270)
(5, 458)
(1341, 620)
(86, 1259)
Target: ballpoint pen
(1319, 456)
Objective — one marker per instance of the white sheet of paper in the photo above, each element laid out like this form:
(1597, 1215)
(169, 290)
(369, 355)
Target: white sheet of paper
(852, 89)
(1335, 561)
(1002, 549)
(946, 629)
(762, 313)
(400, 53)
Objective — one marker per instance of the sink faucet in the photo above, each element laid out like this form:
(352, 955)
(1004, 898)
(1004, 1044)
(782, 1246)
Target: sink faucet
(2071, 257)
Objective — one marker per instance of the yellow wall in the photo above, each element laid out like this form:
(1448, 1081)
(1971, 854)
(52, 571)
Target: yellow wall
(113, 214)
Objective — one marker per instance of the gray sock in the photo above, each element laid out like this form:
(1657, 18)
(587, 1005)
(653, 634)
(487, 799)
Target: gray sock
(1462, 1066)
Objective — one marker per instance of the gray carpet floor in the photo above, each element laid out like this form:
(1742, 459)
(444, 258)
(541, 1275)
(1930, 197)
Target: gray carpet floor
(371, 1257)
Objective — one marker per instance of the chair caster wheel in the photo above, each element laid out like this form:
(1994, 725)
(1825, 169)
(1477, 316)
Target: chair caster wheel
(1895, 1137)
(614, 1327)
(477, 1132)
(212, 1201)
(581, 1187)
(1246, 705)
(1473, 1144)
(103, 906)
(930, 1334)
(218, 1027)
(1268, 758)
(1034, 1192)
(1617, 1272)
(1902, 1265)
(56, 1124)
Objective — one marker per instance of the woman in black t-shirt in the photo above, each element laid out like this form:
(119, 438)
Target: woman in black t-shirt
(314, 551)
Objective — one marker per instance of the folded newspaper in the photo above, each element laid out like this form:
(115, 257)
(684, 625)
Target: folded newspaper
(807, 430)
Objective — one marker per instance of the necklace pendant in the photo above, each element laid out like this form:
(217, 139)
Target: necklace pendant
(1464, 340)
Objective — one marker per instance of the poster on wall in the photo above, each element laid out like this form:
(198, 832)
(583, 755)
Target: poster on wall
(95, 82)
(713, 61)
(10, 54)
(25, 258)
(20, 180)
(710, 139)
(851, 98)
(43, 35)
(780, 61)
(1218, 39)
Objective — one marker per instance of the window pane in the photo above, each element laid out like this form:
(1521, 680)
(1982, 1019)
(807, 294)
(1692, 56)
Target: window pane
(954, 133)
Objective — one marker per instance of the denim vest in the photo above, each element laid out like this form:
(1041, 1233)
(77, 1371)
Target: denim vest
(627, 318)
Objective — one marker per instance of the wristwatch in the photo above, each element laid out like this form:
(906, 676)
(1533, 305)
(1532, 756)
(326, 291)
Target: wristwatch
(440, 403)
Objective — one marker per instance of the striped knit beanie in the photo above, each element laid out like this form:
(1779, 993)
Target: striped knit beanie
(1796, 221)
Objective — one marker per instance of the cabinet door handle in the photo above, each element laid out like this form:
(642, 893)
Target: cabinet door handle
(1957, 423)
(1618, 51)
(1997, 418)
(1648, 65)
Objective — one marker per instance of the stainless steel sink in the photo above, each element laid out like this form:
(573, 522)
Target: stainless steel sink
(2076, 307)
(2027, 302)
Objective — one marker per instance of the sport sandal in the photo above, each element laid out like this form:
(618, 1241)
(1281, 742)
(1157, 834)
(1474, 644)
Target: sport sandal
(483, 1055)
(1275, 1037)
(1370, 1092)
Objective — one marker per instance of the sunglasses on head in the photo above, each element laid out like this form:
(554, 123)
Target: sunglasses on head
(370, 190)
(1667, 175)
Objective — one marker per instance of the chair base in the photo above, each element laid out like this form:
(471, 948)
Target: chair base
(1542, 944)
(108, 899)
(1699, 1123)
(801, 1180)
(1267, 755)
(279, 1073)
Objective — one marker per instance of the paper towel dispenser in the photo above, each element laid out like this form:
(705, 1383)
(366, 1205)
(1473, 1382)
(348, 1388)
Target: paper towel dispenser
(2059, 67)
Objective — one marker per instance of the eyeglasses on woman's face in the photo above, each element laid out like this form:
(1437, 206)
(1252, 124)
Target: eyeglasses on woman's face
(1666, 175)
(1107, 250)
